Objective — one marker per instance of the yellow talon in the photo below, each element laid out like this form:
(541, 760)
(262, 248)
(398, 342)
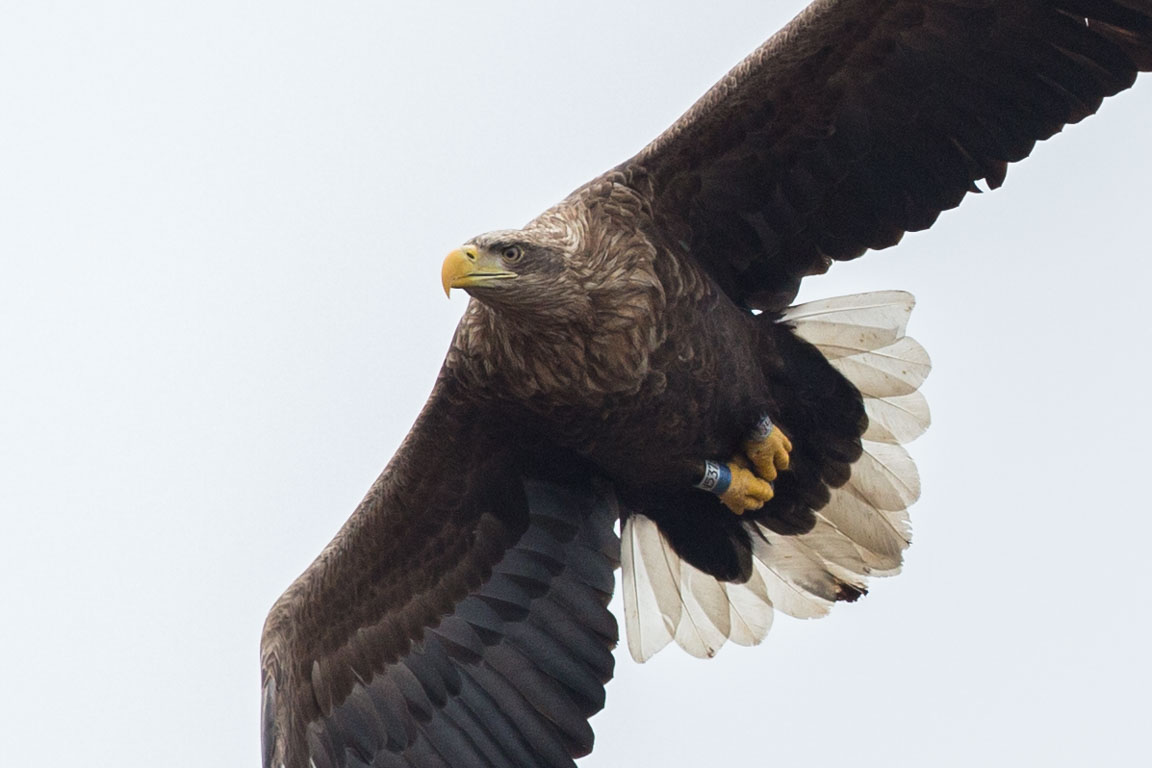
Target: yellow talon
(746, 492)
(769, 455)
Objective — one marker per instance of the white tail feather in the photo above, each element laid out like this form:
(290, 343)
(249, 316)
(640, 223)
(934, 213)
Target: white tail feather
(883, 310)
(751, 610)
(897, 369)
(885, 477)
(798, 585)
(705, 623)
(843, 556)
(884, 536)
(897, 419)
(861, 532)
(651, 606)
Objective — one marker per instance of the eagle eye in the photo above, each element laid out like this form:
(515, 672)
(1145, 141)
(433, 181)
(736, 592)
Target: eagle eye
(512, 253)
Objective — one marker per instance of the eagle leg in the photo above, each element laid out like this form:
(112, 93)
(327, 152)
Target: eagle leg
(767, 447)
(746, 492)
(736, 484)
(744, 484)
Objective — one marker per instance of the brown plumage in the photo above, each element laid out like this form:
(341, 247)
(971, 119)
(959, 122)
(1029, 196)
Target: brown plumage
(459, 617)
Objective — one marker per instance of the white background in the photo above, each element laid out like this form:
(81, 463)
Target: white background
(221, 225)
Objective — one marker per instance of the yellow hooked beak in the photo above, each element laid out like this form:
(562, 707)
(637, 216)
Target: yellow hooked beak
(467, 266)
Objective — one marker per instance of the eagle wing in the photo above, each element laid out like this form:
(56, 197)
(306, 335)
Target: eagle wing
(458, 618)
(864, 119)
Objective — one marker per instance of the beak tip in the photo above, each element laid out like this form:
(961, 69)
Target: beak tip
(451, 269)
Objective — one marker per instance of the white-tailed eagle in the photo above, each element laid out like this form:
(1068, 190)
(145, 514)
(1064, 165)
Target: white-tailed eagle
(633, 355)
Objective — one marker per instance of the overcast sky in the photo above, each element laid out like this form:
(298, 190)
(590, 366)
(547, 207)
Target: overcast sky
(221, 225)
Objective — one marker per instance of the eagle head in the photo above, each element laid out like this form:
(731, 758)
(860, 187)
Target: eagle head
(514, 272)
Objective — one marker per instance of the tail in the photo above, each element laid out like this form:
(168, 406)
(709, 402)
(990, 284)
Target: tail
(862, 531)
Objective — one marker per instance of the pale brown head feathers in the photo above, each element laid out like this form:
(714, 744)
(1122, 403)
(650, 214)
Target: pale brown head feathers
(581, 313)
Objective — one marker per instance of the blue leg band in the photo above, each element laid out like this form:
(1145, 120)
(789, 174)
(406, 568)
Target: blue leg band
(762, 429)
(717, 478)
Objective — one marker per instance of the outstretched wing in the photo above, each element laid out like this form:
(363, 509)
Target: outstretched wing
(864, 119)
(458, 618)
